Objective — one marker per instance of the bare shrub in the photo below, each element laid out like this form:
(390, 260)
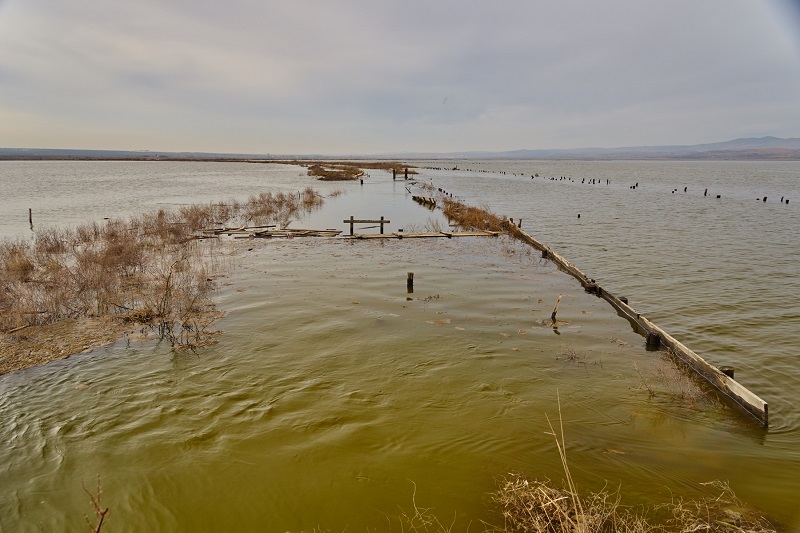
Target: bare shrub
(17, 262)
(148, 269)
(51, 241)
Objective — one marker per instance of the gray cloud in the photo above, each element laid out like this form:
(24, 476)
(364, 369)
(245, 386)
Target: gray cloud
(354, 76)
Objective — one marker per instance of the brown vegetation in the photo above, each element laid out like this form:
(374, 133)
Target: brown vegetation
(351, 170)
(541, 507)
(335, 172)
(472, 218)
(148, 270)
(347, 170)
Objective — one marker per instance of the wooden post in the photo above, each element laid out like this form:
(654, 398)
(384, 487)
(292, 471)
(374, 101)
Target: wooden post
(410, 282)
(381, 224)
(653, 340)
(30, 216)
(406, 173)
(351, 225)
(394, 174)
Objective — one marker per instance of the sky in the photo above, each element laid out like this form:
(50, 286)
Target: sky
(379, 76)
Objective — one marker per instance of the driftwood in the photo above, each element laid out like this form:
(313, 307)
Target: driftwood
(448, 234)
(425, 200)
(240, 229)
(265, 232)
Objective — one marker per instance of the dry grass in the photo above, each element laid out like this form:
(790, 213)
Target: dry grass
(539, 506)
(472, 218)
(150, 269)
(372, 165)
(350, 170)
(335, 172)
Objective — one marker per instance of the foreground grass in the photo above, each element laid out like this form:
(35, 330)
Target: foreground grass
(541, 506)
(149, 270)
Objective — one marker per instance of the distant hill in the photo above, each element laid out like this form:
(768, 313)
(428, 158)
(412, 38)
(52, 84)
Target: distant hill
(761, 148)
(750, 148)
(137, 155)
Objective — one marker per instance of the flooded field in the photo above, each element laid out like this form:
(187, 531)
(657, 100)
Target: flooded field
(335, 399)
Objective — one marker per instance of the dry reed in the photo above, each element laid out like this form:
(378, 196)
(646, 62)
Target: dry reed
(150, 269)
(539, 506)
(472, 218)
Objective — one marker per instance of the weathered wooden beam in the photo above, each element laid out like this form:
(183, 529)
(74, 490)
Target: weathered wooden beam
(725, 384)
(424, 235)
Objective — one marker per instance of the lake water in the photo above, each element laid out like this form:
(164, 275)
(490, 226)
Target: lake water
(336, 400)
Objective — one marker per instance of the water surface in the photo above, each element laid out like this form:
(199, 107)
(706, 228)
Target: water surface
(335, 399)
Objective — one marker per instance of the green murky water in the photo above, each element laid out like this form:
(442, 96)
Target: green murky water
(336, 400)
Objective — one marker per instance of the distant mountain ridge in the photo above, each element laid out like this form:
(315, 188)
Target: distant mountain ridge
(744, 148)
(756, 148)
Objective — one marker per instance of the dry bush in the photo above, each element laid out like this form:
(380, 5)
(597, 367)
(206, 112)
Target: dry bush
(51, 241)
(539, 506)
(17, 262)
(148, 269)
(542, 507)
(310, 199)
(715, 513)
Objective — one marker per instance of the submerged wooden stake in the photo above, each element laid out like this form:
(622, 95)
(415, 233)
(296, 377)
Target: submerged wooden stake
(410, 282)
(553, 316)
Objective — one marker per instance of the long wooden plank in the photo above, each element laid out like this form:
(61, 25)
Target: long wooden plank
(423, 235)
(728, 386)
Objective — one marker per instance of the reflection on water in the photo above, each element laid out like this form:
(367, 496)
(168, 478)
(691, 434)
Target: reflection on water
(332, 397)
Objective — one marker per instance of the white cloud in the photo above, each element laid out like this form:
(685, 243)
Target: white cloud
(356, 76)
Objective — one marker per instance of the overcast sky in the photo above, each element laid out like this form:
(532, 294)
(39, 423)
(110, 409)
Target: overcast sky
(368, 76)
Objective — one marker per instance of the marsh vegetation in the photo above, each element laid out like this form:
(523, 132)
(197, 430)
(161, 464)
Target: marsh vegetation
(156, 270)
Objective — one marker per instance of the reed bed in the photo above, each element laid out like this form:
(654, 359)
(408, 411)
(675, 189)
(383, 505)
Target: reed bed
(150, 269)
(472, 218)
